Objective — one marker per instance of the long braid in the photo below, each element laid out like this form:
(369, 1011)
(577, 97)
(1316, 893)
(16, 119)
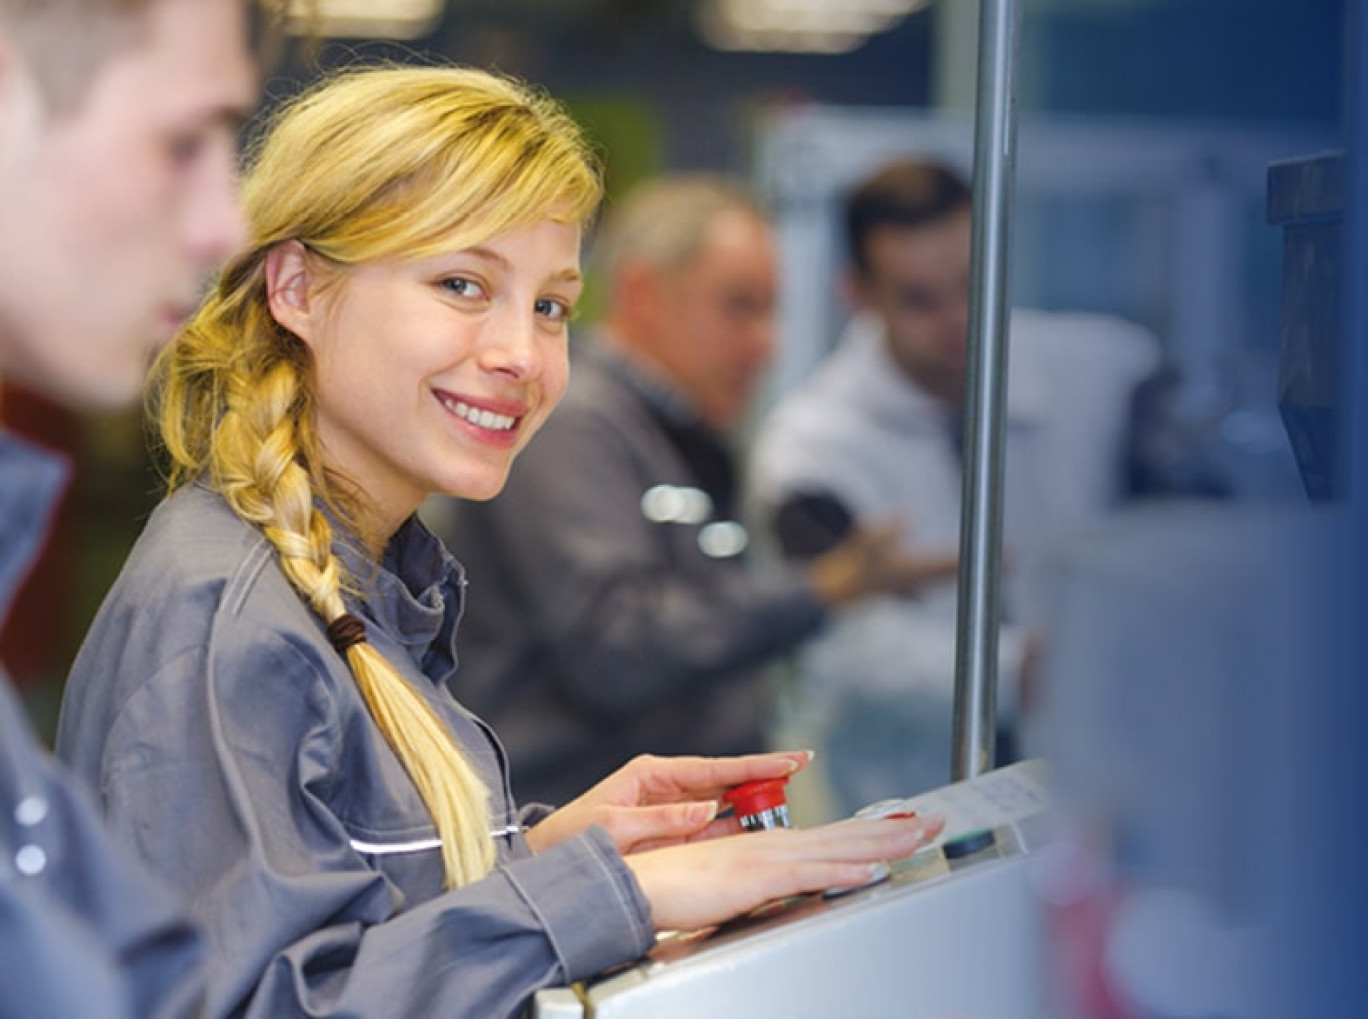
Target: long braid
(275, 487)
(253, 461)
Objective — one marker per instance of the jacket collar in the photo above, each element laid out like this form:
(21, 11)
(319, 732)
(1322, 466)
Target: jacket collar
(651, 386)
(415, 594)
(31, 481)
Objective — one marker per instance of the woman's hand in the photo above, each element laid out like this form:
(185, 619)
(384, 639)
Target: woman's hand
(652, 802)
(696, 885)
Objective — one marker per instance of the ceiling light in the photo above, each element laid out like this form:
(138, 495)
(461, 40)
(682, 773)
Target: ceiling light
(366, 19)
(812, 26)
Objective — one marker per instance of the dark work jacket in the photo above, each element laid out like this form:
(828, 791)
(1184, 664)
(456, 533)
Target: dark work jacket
(233, 751)
(83, 930)
(596, 630)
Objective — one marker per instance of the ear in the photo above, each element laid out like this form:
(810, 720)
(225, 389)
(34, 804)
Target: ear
(854, 289)
(289, 290)
(638, 291)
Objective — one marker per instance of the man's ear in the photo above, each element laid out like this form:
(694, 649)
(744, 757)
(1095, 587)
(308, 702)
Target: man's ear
(289, 290)
(853, 289)
(638, 292)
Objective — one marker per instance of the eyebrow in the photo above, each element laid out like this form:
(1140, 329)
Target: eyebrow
(566, 275)
(234, 110)
(236, 116)
(232, 118)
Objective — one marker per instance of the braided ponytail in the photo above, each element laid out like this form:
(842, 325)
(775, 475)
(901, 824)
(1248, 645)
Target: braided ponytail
(271, 490)
(253, 461)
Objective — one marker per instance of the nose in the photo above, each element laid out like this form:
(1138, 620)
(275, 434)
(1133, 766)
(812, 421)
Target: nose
(214, 223)
(762, 338)
(512, 346)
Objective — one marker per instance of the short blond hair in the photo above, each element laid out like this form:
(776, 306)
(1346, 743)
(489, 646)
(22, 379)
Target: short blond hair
(664, 222)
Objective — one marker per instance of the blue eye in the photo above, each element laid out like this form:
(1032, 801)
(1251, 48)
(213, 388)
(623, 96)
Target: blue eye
(552, 308)
(462, 287)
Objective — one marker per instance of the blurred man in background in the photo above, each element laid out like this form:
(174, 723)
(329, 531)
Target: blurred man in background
(611, 607)
(877, 433)
(118, 121)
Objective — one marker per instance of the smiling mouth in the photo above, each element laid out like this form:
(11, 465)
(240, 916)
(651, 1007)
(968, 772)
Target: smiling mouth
(486, 419)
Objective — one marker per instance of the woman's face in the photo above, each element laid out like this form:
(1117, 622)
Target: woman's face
(431, 375)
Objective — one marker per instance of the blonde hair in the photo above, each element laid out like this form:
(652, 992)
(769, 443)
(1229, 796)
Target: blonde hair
(372, 164)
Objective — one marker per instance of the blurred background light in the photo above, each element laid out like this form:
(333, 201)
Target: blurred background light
(366, 19)
(798, 26)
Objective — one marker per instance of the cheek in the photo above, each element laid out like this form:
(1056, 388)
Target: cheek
(346, 378)
(133, 194)
(907, 343)
(912, 329)
(716, 342)
(556, 369)
(555, 378)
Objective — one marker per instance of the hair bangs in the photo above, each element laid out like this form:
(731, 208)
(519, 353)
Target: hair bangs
(472, 187)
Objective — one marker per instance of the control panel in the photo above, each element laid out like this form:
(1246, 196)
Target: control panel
(954, 933)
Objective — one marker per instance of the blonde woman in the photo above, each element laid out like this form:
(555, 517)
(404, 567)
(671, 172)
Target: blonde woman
(262, 701)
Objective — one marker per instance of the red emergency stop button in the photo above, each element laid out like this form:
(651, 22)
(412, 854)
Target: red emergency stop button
(761, 804)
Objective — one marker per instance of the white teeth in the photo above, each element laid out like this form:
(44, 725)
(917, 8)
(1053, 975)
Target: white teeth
(483, 418)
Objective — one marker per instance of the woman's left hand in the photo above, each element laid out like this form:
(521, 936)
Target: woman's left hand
(653, 802)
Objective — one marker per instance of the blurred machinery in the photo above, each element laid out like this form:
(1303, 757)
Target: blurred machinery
(1306, 197)
(1177, 653)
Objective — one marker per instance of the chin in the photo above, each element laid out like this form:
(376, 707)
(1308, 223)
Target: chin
(481, 490)
(109, 393)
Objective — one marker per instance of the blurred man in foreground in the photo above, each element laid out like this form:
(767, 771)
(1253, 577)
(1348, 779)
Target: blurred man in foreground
(118, 121)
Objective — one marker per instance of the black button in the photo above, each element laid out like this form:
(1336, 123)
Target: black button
(968, 844)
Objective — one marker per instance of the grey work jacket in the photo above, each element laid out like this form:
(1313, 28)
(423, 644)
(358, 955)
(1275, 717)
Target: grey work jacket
(83, 931)
(232, 749)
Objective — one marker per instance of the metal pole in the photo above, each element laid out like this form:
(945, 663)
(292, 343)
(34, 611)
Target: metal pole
(976, 647)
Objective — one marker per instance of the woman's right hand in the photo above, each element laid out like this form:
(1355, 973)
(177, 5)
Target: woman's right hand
(658, 801)
(702, 883)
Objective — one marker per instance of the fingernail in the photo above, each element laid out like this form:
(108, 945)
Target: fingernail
(878, 871)
(702, 813)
